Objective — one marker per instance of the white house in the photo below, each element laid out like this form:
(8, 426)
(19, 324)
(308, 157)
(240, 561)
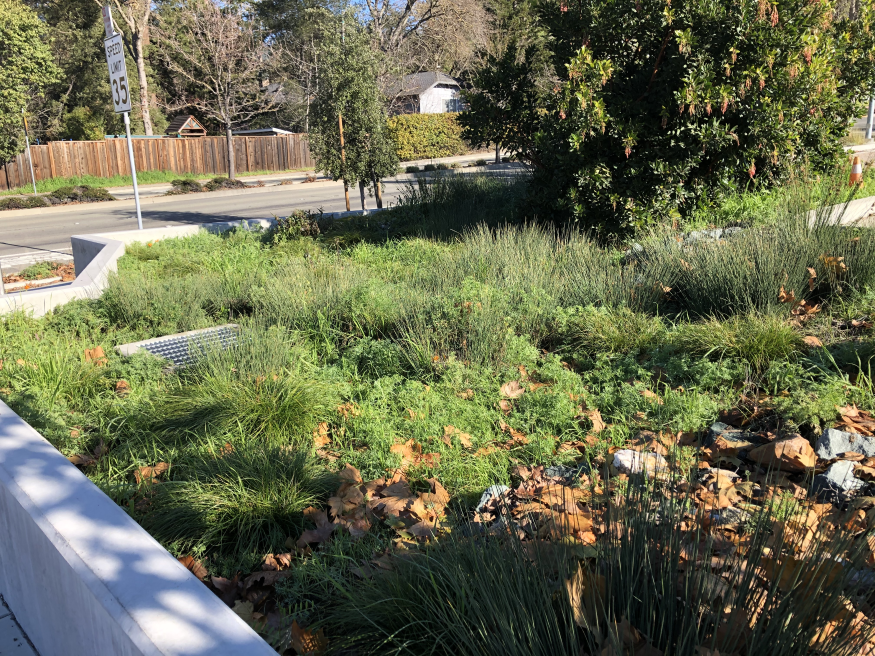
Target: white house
(426, 93)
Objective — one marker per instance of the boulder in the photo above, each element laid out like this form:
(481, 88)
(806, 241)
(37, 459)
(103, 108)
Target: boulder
(837, 482)
(833, 442)
(633, 463)
(793, 454)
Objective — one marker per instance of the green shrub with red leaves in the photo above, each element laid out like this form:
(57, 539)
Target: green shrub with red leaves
(633, 111)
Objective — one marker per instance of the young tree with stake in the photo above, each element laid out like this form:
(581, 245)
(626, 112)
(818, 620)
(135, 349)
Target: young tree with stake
(348, 92)
(217, 60)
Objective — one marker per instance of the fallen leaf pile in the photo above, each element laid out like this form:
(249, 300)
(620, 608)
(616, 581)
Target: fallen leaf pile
(542, 507)
(357, 505)
(854, 420)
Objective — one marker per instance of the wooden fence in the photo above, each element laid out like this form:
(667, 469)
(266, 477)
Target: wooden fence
(208, 155)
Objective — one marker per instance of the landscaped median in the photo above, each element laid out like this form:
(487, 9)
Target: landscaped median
(433, 432)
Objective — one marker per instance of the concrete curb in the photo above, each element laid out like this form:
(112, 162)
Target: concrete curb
(84, 579)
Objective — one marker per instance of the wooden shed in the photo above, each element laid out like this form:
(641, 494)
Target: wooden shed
(185, 126)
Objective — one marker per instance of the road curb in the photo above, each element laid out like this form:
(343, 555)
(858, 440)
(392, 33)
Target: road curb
(155, 200)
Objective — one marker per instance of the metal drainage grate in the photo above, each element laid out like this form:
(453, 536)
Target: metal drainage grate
(181, 349)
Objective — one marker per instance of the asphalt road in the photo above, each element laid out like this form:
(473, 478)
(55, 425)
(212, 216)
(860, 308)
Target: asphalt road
(39, 236)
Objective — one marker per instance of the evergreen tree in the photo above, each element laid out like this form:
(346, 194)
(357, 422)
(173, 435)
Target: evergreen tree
(348, 90)
(26, 69)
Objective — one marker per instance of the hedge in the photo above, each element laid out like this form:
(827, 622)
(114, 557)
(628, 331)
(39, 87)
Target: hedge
(425, 136)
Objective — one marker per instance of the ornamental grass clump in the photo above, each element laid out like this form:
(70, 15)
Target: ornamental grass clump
(667, 576)
(757, 339)
(244, 499)
(254, 388)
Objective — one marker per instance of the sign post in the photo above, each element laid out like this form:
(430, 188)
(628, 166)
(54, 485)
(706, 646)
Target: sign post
(120, 91)
(29, 158)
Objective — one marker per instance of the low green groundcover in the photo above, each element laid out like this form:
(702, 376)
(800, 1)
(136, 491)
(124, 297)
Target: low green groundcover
(322, 474)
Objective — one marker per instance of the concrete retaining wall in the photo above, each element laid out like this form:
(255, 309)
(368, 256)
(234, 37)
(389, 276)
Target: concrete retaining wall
(84, 579)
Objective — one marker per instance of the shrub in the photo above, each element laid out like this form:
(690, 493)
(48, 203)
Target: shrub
(412, 169)
(426, 136)
(429, 167)
(375, 358)
(81, 193)
(38, 270)
(442, 167)
(480, 162)
(301, 223)
(714, 95)
(224, 183)
(184, 186)
(249, 500)
(22, 203)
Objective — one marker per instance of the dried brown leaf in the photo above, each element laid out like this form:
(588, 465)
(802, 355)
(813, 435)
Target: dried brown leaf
(512, 390)
(150, 474)
(194, 566)
(598, 424)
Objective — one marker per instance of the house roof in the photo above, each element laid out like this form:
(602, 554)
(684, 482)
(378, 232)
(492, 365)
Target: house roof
(419, 83)
(260, 132)
(186, 125)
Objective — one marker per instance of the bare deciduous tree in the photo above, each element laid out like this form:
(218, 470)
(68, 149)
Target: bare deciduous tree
(218, 60)
(392, 22)
(136, 15)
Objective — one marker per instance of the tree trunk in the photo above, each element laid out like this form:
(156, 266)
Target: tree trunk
(362, 193)
(378, 192)
(232, 172)
(144, 83)
(497, 154)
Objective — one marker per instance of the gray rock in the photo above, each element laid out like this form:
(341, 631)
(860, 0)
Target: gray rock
(837, 482)
(703, 473)
(632, 254)
(712, 235)
(833, 442)
(570, 474)
(730, 517)
(491, 492)
(730, 434)
(632, 463)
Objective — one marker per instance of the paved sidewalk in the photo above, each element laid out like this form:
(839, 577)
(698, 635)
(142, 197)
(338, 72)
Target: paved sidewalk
(13, 642)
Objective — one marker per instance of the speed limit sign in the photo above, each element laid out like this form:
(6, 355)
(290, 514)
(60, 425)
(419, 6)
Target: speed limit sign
(118, 74)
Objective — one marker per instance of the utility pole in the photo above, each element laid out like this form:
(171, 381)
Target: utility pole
(29, 158)
(869, 117)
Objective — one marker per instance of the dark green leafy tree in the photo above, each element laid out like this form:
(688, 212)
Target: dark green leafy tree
(656, 106)
(348, 89)
(508, 84)
(26, 69)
